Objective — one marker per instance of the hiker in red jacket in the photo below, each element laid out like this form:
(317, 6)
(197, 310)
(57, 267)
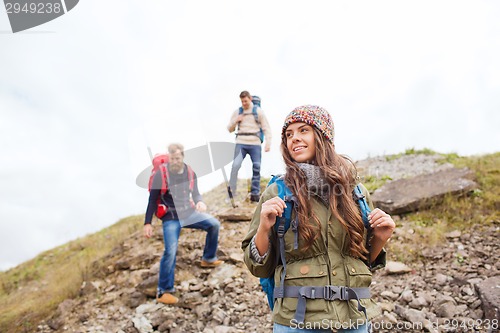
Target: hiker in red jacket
(185, 208)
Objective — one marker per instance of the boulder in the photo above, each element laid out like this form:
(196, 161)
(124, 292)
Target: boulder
(407, 195)
(394, 267)
(489, 293)
(236, 214)
(148, 287)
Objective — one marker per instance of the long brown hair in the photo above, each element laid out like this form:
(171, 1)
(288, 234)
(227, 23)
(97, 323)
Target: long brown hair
(340, 174)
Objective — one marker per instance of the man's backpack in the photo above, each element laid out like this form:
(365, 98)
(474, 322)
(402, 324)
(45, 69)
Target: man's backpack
(284, 222)
(160, 164)
(256, 100)
(256, 104)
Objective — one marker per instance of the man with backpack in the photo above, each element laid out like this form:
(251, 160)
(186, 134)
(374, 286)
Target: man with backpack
(251, 127)
(174, 192)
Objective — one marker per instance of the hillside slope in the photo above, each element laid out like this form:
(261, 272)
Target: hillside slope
(105, 282)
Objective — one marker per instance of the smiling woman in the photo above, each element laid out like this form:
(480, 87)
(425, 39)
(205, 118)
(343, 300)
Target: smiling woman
(314, 283)
(300, 142)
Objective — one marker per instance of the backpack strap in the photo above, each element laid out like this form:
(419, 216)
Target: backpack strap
(190, 178)
(283, 223)
(165, 178)
(256, 115)
(360, 199)
(330, 292)
(259, 134)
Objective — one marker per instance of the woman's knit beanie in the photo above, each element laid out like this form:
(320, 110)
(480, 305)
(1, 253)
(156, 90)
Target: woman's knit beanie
(312, 115)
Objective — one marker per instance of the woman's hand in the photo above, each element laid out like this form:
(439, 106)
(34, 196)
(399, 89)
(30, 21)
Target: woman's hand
(382, 224)
(269, 211)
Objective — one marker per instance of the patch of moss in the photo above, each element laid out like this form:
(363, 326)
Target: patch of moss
(372, 183)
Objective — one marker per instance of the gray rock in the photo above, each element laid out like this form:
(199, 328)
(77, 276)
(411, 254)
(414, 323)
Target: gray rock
(389, 295)
(407, 195)
(148, 308)
(441, 299)
(418, 303)
(87, 288)
(454, 234)
(203, 311)
(191, 300)
(219, 315)
(407, 296)
(467, 291)
(223, 329)
(489, 293)
(135, 299)
(142, 324)
(148, 287)
(446, 310)
(238, 214)
(394, 267)
(418, 317)
(386, 306)
(441, 279)
(236, 257)
(405, 166)
(123, 264)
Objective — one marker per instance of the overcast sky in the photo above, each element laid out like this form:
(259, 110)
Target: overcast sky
(83, 96)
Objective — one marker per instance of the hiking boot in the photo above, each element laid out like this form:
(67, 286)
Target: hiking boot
(206, 264)
(254, 198)
(167, 298)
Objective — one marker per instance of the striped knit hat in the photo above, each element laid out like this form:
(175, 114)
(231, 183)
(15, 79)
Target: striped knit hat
(312, 115)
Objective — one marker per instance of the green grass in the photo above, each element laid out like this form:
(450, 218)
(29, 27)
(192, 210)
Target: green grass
(411, 151)
(372, 183)
(31, 291)
(481, 207)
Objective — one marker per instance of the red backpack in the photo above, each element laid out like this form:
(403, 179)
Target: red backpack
(160, 162)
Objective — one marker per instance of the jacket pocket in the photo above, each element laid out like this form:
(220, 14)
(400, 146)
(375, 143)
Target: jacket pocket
(359, 274)
(306, 272)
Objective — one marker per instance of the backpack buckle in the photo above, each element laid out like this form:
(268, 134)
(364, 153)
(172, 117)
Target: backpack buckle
(358, 195)
(281, 230)
(333, 292)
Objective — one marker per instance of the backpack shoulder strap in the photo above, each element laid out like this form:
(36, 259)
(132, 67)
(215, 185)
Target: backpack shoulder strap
(165, 177)
(190, 177)
(365, 210)
(282, 225)
(240, 110)
(363, 205)
(256, 115)
(286, 195)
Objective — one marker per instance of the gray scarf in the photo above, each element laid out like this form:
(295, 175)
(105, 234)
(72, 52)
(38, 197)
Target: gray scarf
(316, 182)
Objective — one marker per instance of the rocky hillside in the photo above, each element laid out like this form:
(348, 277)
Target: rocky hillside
(441, 277)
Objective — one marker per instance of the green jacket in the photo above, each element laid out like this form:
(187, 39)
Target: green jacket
(315, 267)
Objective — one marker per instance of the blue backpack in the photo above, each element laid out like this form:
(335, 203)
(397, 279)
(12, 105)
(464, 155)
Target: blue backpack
(256, 100)
(284, 222)
(256, 104)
